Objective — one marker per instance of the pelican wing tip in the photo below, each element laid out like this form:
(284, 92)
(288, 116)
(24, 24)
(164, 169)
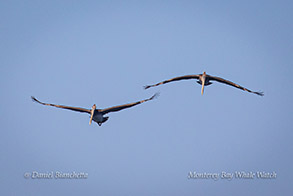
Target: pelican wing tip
(260, 93)
(146, 87)
(156, 95)
(34, 99)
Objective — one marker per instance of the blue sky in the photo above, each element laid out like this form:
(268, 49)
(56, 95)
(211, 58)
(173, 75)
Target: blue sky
(79, 53)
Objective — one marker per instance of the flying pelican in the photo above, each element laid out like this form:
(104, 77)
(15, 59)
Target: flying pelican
(204, 80)
(97, 115)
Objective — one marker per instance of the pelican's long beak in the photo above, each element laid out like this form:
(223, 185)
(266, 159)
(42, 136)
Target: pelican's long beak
(92, 113)
(202, 87)
(203, 82)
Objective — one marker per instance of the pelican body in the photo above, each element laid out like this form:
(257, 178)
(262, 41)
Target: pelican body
(204, 80)
(97, 115)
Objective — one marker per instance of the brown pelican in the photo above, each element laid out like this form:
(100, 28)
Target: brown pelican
(97, 115)
(204, 80)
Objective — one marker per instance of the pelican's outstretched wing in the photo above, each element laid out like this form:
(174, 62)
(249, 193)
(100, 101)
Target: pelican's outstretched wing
(62, 106)
(218, 79)
(121, 107)
(174, 79)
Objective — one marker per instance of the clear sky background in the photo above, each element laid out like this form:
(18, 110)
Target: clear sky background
(79, 53)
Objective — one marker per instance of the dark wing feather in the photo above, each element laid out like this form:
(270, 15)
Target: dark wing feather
(174, 79)
(218, 79)
(121, 107)
(62, 106)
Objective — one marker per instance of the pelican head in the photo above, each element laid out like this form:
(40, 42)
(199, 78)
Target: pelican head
(92, 112)
(203, 79)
